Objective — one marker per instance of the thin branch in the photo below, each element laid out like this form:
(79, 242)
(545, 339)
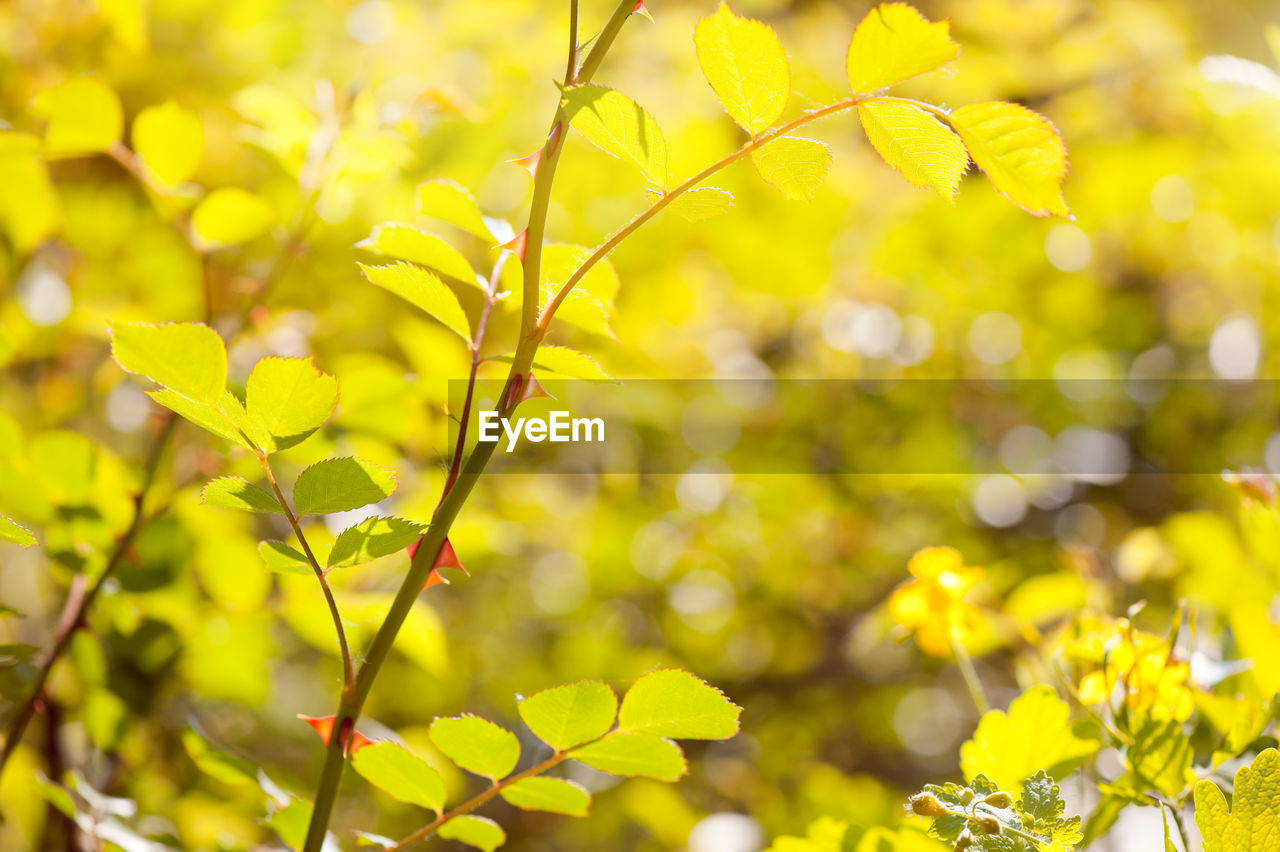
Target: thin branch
(971, 680)
(571, 69)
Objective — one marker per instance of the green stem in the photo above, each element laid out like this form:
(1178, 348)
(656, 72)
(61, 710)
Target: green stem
(971, 680)
(1004, 826)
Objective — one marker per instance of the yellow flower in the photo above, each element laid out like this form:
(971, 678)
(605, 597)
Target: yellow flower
(933, 603)
(1143, 666)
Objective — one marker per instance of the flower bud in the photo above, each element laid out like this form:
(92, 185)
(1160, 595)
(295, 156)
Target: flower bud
(989, 824)
(966, 796)
(926, 804)
(999, 799)
(963, 842)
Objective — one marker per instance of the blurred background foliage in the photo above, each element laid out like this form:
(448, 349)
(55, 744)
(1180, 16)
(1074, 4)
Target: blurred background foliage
(772, 587)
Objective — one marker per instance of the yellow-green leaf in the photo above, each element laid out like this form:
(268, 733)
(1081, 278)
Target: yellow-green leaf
(229, 216)
(235, 492)
(225, 417)
(29, 208)
(169, 139)
(923, 150)
(14, 532)
(450, 202)
(632, 754)
(565, 716)
(569, 362)
(341, 484)
(677, 704)
(1252, 822)
(746, 66)
(371, 539)
(893, 43)
(699, 203)
(405, 242)
(400, 774)
(84, 117)
(423, 289)
(283, 559)
(1035, 734)
(548, 794)
(480, 832)
(188, 358)
(619, 126)
(287, 399)
(793, 165)
(1020, 151)
(477, 745)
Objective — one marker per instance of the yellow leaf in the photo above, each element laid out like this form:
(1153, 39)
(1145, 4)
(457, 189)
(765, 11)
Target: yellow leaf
(746, 66)
(1020, 151)
(29, 210)
(169, 139)
(84, 117)
(794, 165)
(619, 126)
(703, 202)
(423, 289)
(893, 43)
(920, 147)
(230, 215)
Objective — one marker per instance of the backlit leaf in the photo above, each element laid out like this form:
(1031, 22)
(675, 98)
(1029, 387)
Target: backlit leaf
(225, 767)
(746, 66)
(29, 209)
(480, 832)
(84, 117)
(231, 215)
(169, 139)
(187, 358)
(342, 484)
(893, 43)
(699, 203)
(477, 745)
(619, 126)
(226, 418)
(371, 539)
(795, 166)
(234, 492)
(400, 774)
(632, 754)
(548, 794)
(1020, 151)
(284, 559)
(565, 716)
(569, 362)
(1036, 733)
(423, 289)
(1252, 822)
(449, 202)
(405, 242)
(923, 150)
(673, 703)
(14, 532)
(288, 399)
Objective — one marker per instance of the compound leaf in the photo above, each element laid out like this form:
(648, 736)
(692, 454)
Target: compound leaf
(619, 126)
(923, 150)
(565, 716)
(423, 289)
(793, 165)
(893, 43)
(548, 794)
(677, 704)
(1020, 151)
(187, 358)
(400, 774)
(746, 66)
(288, 399)
(234, 492)
(341, 484)
(405, 242)
(477, 745)
(632, 754)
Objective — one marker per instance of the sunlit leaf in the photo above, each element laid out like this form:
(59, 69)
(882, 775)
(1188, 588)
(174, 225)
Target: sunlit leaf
(632, 754)
(1020, 151)
(795, 166)
(225, 418)
(14, 532)
(29, 208)
(893, 43)
(569, 362)
(477, 745)
(284, 559)
(371, 539)
(405, 242)
(923, 150)
(746, 66)
(187, 358)
(565, 716)
(548, 794)
(700, 203)
(480, 832)
(231, 215)
(1252, 821)
(84, 117)
(400, 774)
(234, 492)
(288, 399)
(225, 767)
(676, 704)
(169, 139)
(423, 289)
(1036, 733)
(341, 484)
(619, 126)
(449, 202)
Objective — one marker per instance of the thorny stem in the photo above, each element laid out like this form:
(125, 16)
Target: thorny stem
(965, 663)
(348, 670)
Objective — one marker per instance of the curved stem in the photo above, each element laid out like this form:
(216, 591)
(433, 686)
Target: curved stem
(971, 679)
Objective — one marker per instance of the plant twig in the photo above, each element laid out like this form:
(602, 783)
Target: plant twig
(971, 680)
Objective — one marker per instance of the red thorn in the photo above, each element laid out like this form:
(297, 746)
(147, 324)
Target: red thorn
(640, 9)
(517, 244)
(351, 741)
(533, 389)
(529, 163)
(413, 549)
(323, 725)
(446, 558)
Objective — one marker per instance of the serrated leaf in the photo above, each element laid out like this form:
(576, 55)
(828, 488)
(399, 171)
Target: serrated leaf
(1040, 808)
(229, 216)
(569, 362)
(283, 559)
(549, 794)
(400, 774)
(226, 419)
(423, 289)
(235, 492)
(674, 703)
(288, 398)
(699, 203)
(169, 139)
(565, 716)
(187, 358)
(591, 302)
(84, 117)
(14, 532)
(405, 242)
(372, 539)
(1036, 733)
(746, 66)
(1161, 757)
(477, 745)
(893, 43)
(793, 165)
(619, 126)
(341, 484)
(632, 754)
(450, 202)
(923, 150)
(480, 832)
(225, 767)
(1020, 151)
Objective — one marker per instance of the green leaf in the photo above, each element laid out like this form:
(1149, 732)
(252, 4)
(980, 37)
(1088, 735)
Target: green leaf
(793, 165)
(84, 117)
(700, 203)
(1020, 151)
(15, 532)
(30, 211)
(674, 703)
(632, 754)
(449, 202)
(187, 358)
(893, 43)
(746, 66)
(225, 767)
(372, 539)
(234, 492)
(1036, 733)
(283, 559)
(342, 484)
(226, 419)
(548, 794)
(230, 215)
(565, 716)
(169, 139)
(423, 289)
(288, 399)
(290, 823)
(619, 126)
(400, 774)
(1040, 808)
(64, 463)
(569, 362)
(923, 150)
(591, 302)
(480, 832)
(405, 242)
(477, 745)
(1160, 757)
